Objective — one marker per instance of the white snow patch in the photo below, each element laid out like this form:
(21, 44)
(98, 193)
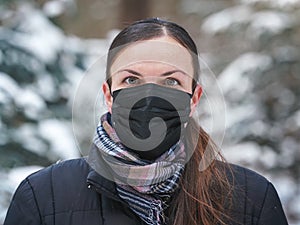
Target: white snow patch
(60, 137)
(4, 136)
(296, 118)
(295, 204)
(292, 124)
(46, 87)
(235, 74)
(247, 152)
(27, 135)
(275, 3)
(3, 98)
(97, 50)
(287, 97)
(260, 22)
(235, 115)
(6, 192)
(268, 158)
(286, 53)
(38, 35)
(221, 21)
(285, 3)
(289, 151)
(8, 85)
(16, 175)
(268, 21)
(285, 186)
(96, 47)
(32, 104)
(259, 128)
(54, 8)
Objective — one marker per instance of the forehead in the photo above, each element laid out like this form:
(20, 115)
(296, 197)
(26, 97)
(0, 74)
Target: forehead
(163, 50)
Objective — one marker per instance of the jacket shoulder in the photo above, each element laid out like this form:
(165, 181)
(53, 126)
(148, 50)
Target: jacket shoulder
(62, 188)
(255, 197)
(64, 167)
(62, 175)
(56, 193)
(246, 178)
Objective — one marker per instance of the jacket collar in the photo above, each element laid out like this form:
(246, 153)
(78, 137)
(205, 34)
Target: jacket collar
(102, 185)
(97, 181)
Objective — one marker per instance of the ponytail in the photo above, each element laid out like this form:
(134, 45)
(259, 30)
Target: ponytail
(203, 194)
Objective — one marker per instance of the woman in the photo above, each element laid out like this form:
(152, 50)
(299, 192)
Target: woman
(143, 167)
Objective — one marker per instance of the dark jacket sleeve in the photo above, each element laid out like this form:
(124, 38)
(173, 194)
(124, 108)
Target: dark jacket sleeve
(23, 209)
(255, 200)
(272, 212)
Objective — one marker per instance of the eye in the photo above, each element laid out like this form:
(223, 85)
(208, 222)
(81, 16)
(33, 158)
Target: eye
(131, 80)
(171, 82)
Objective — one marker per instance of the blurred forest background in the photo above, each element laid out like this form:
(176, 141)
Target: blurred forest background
(252, 46)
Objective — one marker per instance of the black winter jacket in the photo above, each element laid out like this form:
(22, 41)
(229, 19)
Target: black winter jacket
(71, 193)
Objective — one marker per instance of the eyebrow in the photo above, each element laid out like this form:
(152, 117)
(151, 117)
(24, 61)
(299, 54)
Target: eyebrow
(130, 71)
(173, 71)
(163, 74)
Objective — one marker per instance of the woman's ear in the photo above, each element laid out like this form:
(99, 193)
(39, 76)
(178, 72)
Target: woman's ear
(107, 96)
(195, 98)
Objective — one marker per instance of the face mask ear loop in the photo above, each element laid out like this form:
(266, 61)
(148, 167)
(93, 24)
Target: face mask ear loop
(194, 85)
(193, 90)
(108, 81)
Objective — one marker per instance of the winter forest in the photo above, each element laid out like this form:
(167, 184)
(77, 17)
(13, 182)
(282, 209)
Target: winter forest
(250, 72)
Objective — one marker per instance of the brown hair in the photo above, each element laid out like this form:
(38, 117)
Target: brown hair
(203, 195)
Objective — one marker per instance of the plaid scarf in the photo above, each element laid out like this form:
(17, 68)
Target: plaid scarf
(145, 186)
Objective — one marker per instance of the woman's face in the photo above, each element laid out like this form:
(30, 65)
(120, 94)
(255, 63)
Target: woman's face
(162, 61)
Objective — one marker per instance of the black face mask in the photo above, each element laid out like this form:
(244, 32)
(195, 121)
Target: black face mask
(149, 119)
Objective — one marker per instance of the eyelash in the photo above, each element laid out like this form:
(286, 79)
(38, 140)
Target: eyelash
(129, 77)
(171, 78)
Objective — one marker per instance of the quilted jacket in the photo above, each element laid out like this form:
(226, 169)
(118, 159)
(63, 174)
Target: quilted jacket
(72, 193)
